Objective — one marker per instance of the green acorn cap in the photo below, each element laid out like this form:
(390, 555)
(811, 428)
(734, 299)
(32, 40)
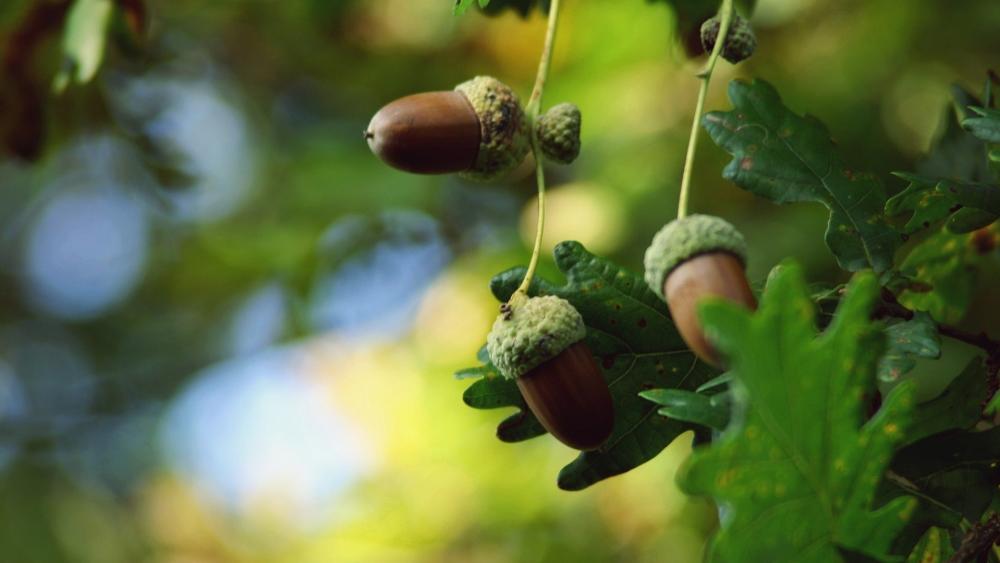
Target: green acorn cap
(532, 330)
(683, 239)
(740, 40)
(559, 132)
(503, 133)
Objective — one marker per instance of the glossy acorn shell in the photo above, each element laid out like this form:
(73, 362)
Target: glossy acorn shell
(569, 396)
(427, 133)
(714, 274)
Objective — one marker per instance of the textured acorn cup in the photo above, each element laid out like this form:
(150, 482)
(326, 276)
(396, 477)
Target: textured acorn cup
(693, 258)
(538, 342)
(559, 133)
(479, 129)
(740, 39)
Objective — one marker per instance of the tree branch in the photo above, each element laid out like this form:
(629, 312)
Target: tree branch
(978, 540)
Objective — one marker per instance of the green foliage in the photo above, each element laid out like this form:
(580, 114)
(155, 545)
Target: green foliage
(986, 127)
(687, 406)
(907, 341)
(951, 472)
(943, 266)
(83, 42)
(788, 158)
(933, 547)
(974, 204)
(957, 407)
(492, 7)
(630, 331)
(798, 469)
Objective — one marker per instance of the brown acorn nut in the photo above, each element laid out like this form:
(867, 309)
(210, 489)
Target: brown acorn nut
(693, 258)
(538, 342)
(479, 130)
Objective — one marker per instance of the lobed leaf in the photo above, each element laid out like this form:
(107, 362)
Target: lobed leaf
(787, 158)
(798, 468)
(945, 265)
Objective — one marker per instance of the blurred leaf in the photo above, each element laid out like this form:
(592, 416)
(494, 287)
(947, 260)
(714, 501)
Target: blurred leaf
(957, 153)
(721, 380)
(947, 263)
(952, 470)
(630, 331)
(688, 406)
(993, 405)
(933, 547)
(799, 470)
(493, 7)
(973, 204)
(788, 158)
(958, 406)
(83, 42)
(986, 127)
(968, 219)
(906, 341)
(923, 199)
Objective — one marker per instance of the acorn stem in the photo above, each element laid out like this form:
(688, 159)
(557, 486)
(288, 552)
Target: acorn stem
(705, 75)
(535, 101)
(532, 111)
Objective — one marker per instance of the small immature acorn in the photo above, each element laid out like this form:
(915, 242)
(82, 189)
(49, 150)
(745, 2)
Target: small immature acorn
(559, 133)
(479, 129)
(538, 342)
(692, 258)
(740, 39)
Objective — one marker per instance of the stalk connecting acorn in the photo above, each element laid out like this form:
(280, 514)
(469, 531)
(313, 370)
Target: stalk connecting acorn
(693, 258)
(479, 130)
(538, 342)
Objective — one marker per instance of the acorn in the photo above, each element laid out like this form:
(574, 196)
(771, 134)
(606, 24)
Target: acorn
(538, 342)
(479, 130)
(559, 133)
(693, 258)
(740, 39)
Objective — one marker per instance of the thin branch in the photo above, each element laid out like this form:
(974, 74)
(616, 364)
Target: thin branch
(977, 541)
(891, 307)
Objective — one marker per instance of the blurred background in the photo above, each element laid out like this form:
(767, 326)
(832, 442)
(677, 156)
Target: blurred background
(228, 332)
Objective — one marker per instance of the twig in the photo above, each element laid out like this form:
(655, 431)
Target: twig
(891, 307)
(978, 540)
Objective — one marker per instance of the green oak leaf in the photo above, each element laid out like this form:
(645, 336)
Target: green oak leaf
(971, 205)
(921, 198)
(946, 264)
(986, 126)
(786, 158)
(630, 331)
(958, 406)
(711, 411)
(951, 472)
(934, 547)
(958, 153)
(907, 341)
(799, 466)
(83, 42)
